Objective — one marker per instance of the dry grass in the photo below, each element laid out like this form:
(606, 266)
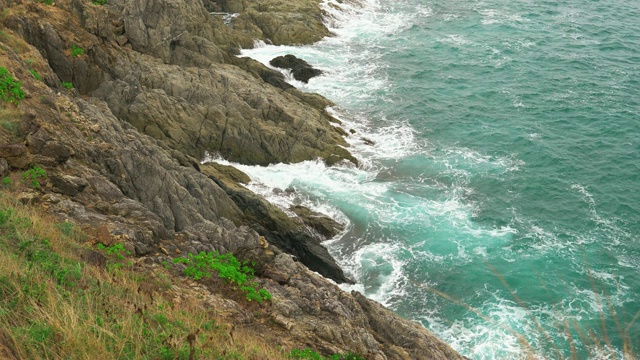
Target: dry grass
(54, 305)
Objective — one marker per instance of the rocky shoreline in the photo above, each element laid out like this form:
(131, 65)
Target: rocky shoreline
(120, 125)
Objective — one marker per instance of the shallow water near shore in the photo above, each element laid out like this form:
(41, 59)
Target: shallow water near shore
(505, 171)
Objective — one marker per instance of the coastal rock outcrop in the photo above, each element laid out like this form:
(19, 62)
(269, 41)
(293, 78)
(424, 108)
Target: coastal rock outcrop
(278, 22)
(300, 69)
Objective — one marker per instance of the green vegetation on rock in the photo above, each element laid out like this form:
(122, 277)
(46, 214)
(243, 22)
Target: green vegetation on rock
(57, 302)
(33, 175)
(35, 74)
(308, 354)
(76, 50)
(228, 268)
(10, 89)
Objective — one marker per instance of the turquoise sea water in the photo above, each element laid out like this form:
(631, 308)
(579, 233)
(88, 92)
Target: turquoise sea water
(505, 171)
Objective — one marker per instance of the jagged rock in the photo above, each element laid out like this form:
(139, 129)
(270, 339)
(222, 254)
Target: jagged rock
(367, 141)
(300, 69)
(321, 223)
(220, 110)
(225, 172)
(316, 311)
(8, 151)
(15, 155)
(281, 230)
(279, 22)
(68, 185)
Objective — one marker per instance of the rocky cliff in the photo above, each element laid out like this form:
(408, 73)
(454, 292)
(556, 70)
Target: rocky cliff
(155, 86)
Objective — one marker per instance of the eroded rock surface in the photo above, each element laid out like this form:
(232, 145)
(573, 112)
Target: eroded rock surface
(300, 69)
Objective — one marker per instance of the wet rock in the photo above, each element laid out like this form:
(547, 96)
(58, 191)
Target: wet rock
(321, 223)
(226, 172)
(300, 69)
(279, 22)
(367, 141)
(284, 232)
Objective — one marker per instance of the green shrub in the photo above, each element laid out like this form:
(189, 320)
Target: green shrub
(10, 89)
(308, 354)
(116, 250)
(47, 2)
(6, 181)
(100, 2)
(228, 268)
(76, 50)
(32, 175)
(35, 74)
(67, 85)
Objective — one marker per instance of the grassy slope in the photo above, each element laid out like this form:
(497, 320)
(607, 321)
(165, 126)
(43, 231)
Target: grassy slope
(61, 299)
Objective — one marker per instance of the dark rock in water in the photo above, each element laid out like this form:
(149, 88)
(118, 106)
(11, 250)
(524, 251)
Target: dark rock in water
(279, 229)
(321, 223)
(367, 141)
(300, 69)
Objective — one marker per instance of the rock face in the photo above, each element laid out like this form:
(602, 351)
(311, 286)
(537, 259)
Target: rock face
(156, 87)
(324, 225)
(189, 109)
(317, 312)
(278, 22)
(300, 69)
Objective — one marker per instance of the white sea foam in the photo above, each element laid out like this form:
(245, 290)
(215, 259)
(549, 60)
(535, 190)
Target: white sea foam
(492, 16)
(382, 261)
(455, 39)
(491, 338)
(353, 78)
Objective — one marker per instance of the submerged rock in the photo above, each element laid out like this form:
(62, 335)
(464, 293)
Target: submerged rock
(300, 69)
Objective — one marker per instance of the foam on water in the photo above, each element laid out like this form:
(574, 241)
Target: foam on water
(428, 208)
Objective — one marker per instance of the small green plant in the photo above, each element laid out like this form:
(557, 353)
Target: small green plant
(10, 89)
(33, 175)
(117, 253)
(100, 2)
(46, 2)
(76, 50)
(6, 181)
(228, 268)
(116, 250)
(67, 85)
(35, 74)
(308, 354)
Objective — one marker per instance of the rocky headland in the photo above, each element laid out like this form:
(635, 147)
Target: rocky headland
(123, 101)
